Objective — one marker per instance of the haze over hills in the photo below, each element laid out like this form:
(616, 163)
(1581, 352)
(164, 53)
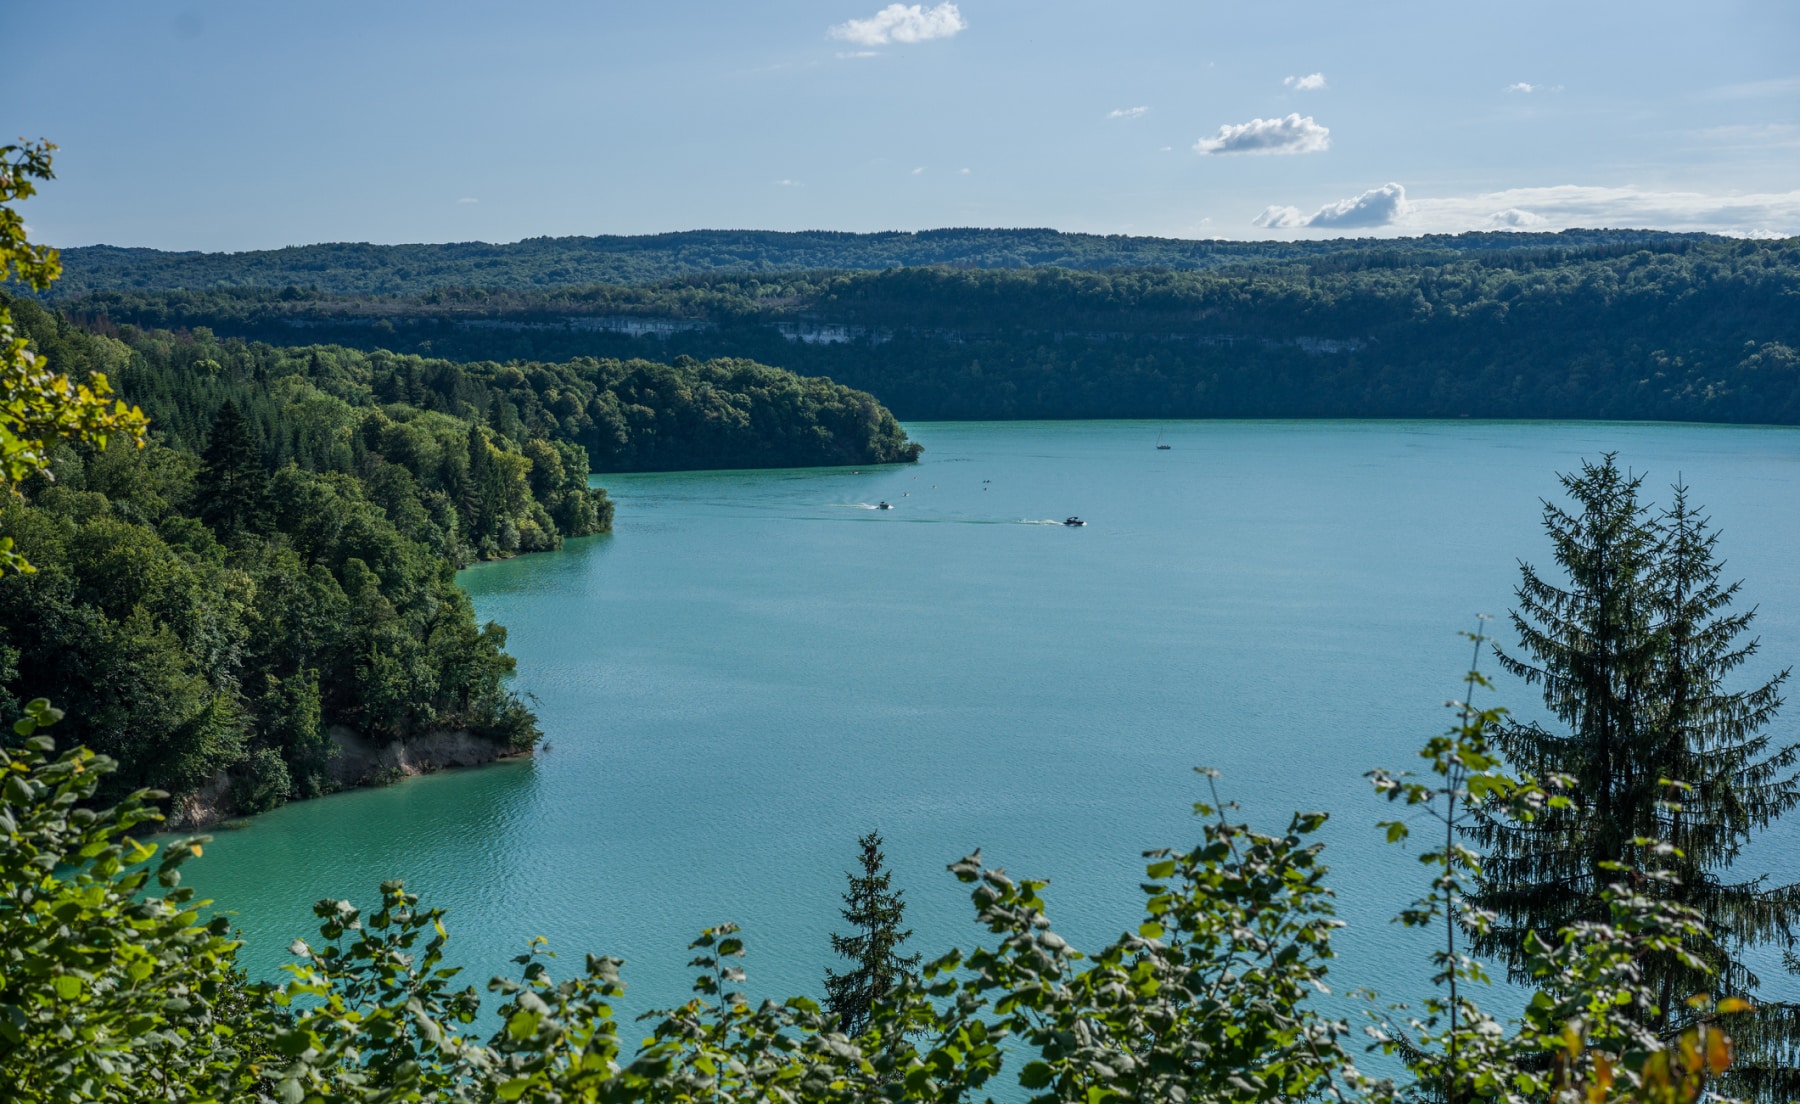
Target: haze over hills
(359, 268)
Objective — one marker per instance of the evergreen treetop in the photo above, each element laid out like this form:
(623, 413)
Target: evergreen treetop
(1632, 650)
(875, 910)
(233, 484)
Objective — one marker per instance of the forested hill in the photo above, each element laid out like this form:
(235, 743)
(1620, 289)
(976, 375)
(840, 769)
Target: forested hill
(358, 268)
(1679, 328)
(255, 605)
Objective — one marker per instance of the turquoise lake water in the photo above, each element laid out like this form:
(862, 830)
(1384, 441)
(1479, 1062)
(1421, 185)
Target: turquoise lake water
(756, 667)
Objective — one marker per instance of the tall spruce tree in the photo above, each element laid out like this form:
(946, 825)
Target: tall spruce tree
(875, 911)
(233, 485)
(1632, 651)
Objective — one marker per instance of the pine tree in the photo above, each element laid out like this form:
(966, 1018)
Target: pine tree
(875, 911)
(233, 486)
(1632, 655)
(1714, 741)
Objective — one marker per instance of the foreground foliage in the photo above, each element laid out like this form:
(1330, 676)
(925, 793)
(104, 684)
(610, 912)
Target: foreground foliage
(113, 991)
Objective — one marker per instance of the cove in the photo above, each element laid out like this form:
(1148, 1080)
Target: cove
(755, 667)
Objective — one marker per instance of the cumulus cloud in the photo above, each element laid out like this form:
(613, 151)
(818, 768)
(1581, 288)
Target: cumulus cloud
(1280, 218)
(1381, 206)
(1127, 113)
(788, 183)
(919, 170)
(902, 23)
(1375, 207)
(1526, 88)
(468, 199)
(1312, 82)
(1293, 134)
(962, 172)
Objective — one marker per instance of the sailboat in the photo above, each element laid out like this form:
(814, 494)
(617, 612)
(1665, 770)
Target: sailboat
(1159, 440)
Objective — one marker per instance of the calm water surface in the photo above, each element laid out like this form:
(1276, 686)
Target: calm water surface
(756, 667)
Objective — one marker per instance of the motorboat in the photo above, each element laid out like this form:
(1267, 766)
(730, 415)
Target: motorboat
(1073, 520)
(883, 506)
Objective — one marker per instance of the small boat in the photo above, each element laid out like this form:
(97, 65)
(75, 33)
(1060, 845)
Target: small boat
(1159, 441)
(1073, 520)
(883, 506)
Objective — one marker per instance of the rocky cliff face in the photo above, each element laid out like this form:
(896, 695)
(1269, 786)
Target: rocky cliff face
(356, 762)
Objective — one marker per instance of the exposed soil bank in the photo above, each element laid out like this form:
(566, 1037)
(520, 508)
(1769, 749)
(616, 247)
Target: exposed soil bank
(355, 762)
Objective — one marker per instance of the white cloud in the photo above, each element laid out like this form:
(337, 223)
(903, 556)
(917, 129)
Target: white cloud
(1292, 134)
(962, 172)
(902, 23)
(1562, 207)
(1127, 113)
(1312, 82)
(1381, 206)
(1526, 88)
(918, 170)
(847, 54)
(1375, 207)
(468, 199)
(789, 183)
(1515, 218)
(1576, 205)
(1279, 218)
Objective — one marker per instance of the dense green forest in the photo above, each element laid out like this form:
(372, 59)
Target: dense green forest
(278, 562)
(1659, 327)
(358, 268)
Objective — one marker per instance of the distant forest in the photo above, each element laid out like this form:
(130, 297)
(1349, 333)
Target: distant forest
(1617, 325)
(358, 268)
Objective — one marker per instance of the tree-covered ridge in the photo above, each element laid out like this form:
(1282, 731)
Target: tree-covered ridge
(274, 574)
(1683, 329)
(629, 415)
(359, 268)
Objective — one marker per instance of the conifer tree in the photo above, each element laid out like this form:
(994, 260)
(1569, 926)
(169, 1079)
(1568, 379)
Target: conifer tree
(875, 912)
(233, 486)
(1632, 653)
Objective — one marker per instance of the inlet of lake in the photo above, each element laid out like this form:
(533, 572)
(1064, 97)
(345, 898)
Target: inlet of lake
(756, 667)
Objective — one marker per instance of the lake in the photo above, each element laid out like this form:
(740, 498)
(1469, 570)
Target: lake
(757, 667)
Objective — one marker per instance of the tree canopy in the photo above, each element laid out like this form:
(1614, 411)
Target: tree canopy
(1529, 326)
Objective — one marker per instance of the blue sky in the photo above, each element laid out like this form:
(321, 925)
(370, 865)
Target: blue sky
(200, 125)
